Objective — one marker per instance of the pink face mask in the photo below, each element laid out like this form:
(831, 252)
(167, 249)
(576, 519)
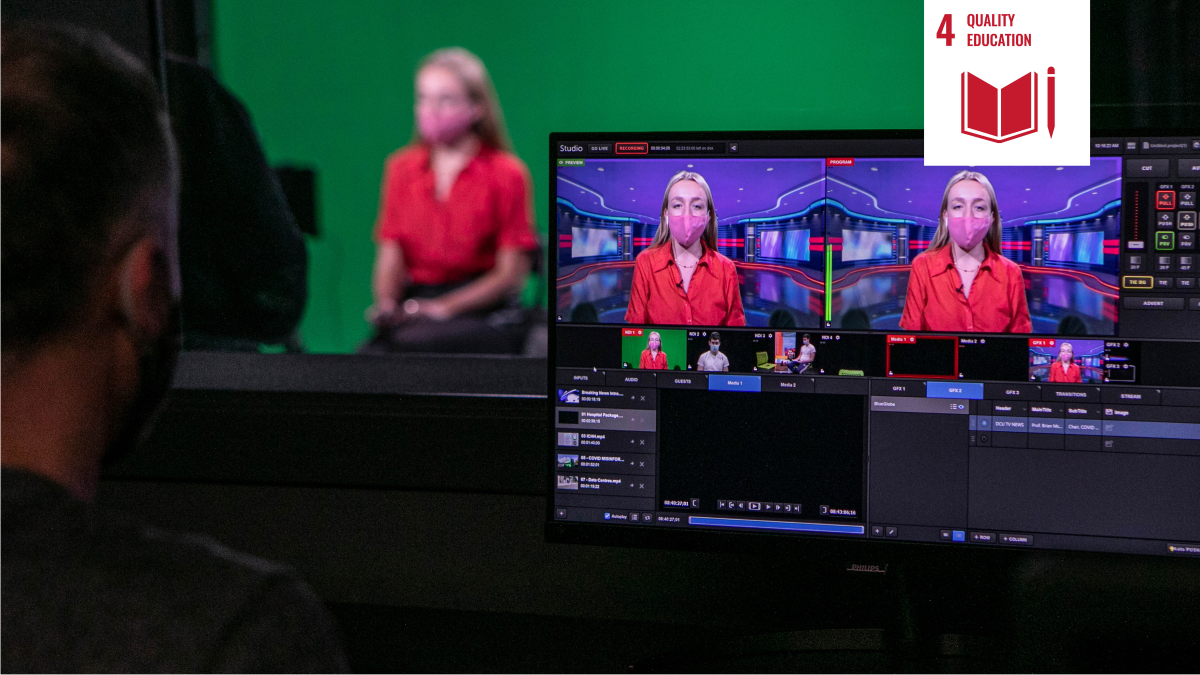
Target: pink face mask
(967, 232)
(686, 229)
(444, 128)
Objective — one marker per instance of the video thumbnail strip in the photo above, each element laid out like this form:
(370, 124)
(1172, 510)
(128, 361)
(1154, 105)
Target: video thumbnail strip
(640, 352)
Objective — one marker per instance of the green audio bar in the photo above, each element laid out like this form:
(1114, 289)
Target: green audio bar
(828, 280)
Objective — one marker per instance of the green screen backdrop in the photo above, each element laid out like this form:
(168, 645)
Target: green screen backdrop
(329, 85)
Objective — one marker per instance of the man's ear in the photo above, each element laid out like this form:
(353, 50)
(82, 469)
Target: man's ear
(145, 290)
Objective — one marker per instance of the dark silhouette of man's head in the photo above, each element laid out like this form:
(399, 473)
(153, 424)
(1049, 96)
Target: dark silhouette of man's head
(90, 280)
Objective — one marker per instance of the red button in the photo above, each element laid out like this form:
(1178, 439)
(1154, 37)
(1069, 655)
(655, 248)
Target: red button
(1164, 200)
(633, 148)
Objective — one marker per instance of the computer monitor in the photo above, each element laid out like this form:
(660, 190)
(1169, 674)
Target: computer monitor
(815, 335)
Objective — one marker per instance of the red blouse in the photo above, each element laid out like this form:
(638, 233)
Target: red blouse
(1072, 374)
(489, 208)
(935, 300)
(653, 362)
(713, 298)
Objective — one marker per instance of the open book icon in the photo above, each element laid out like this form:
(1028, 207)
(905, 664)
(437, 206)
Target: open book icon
(999, 115)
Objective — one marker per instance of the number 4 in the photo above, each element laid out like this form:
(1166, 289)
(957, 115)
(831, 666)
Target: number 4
(944, 29)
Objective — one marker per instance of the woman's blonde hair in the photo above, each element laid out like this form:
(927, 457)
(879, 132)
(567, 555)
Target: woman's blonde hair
(710, 230)
(469, 70)
(942, 236)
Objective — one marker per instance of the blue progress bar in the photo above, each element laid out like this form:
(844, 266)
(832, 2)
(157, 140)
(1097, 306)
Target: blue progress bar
(740, 523)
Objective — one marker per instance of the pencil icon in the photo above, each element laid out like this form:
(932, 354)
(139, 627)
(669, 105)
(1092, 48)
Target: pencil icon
(1050, 100)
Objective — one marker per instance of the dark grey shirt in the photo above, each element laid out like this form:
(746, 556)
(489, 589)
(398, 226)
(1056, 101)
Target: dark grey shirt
(89, 591)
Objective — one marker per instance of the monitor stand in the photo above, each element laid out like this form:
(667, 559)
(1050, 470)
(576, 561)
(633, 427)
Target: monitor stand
(901, 640)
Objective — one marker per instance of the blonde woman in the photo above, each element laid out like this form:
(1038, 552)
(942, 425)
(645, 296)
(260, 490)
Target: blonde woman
(681, 279)
(962, 283)
(1064, 368)
(455, 227)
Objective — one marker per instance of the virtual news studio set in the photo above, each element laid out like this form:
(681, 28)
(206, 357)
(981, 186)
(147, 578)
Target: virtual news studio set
(740, 406)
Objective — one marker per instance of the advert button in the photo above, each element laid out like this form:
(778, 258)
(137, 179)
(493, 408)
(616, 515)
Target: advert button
(1153, 303)
(633, 148)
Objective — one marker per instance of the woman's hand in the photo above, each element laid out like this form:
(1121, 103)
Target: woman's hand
(433, 309)
(383, 313)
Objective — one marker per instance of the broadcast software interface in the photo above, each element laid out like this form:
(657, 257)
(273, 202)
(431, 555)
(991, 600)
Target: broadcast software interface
(820, 336)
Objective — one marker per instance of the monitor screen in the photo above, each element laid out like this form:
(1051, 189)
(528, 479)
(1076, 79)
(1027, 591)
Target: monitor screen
(817, 335)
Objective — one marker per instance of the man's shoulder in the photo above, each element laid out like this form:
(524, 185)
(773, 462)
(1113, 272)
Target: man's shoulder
(115, 594)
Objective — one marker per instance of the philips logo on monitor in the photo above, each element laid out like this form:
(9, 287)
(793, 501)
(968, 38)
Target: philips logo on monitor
(568, 396)
(1008, 88)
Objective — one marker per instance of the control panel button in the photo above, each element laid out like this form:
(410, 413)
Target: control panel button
(1154, 303)
(1185, 263)
(1162, 263)
(1187, 220)
(876, 530)
(1165, 220)
(1164, 282)
(1187, 168)
(1185, 282)
(1152, 168)
(1137, 282)
(1164, 241)
(1187, 200)
(1017, 539)
(891, 531)
(1164, 200)
(1134, 263)
(983, 537)
(1187, 240)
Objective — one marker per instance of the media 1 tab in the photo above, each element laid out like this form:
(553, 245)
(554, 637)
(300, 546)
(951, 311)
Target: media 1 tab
(723, 382)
